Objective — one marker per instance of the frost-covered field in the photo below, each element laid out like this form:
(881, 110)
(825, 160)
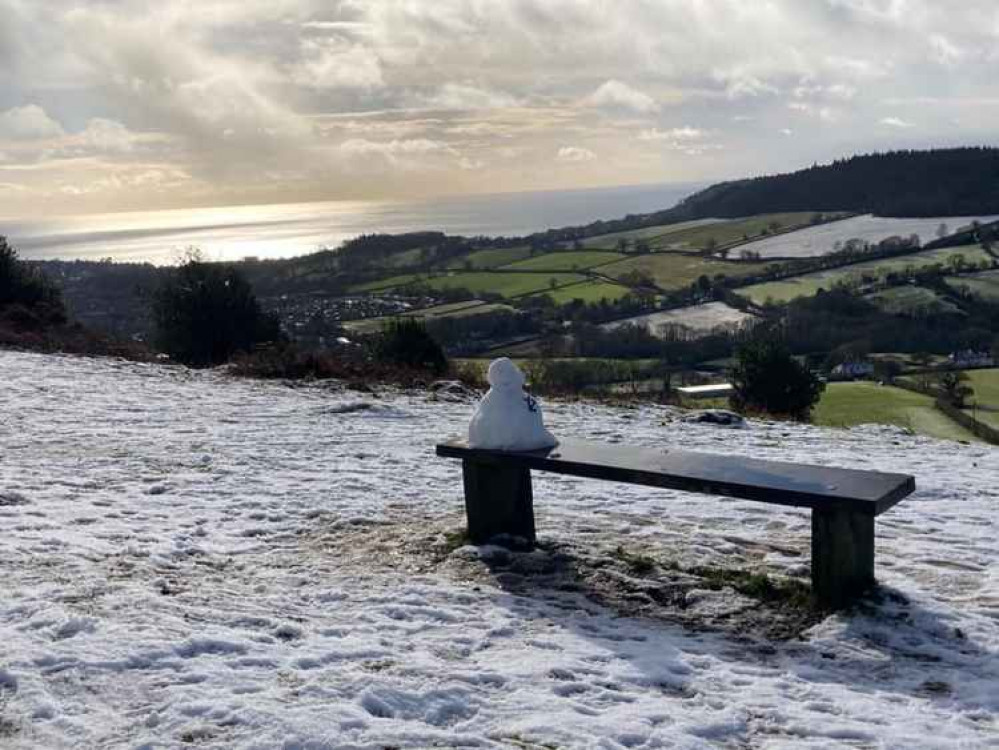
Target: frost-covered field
(702, 318)
(821, 240)
(171, 578)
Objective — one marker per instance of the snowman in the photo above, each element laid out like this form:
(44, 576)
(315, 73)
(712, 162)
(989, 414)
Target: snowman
(508, 419)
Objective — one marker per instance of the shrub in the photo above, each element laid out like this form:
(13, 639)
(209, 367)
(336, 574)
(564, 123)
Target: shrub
(766, 378)
(405, 342)
(25, 286)
(955, 388)
(204, 313)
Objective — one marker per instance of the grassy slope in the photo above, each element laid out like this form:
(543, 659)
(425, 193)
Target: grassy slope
(697, 238)
(492, 258)
(589, 291)
(694, 235)
(505, 284)
(984, 284)
(386, 283)
(450, 310)
(809, 284)
(912, 300)
(672, 271)
(565, 261)
(986, 385)
(609, 241)
(848, 404)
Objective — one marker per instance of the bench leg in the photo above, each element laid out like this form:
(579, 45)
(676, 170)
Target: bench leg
(498, 500)
(842, 556)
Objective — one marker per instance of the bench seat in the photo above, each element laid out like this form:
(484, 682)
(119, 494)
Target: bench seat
(844, 502)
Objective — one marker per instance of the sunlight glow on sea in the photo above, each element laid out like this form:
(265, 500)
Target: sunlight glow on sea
(286, 230)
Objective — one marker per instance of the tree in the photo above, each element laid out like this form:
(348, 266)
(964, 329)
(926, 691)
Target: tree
(204, 313)
(955, 388)
(405, 341)
(766, 378)
(21, 284)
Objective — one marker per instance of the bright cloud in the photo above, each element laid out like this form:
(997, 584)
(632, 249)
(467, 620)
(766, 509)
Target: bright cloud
(28, 123)
(895, 122)
(614, 94)
(332, 65)
(575, 154)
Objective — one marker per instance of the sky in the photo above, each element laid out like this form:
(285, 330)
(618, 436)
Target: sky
(124, 104)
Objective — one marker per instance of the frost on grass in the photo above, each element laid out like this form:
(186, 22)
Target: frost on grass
(194, 561)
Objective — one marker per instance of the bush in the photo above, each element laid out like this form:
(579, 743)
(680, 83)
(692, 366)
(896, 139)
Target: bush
(205, 313)
(767, 379)
(405, 342)
(25, 286)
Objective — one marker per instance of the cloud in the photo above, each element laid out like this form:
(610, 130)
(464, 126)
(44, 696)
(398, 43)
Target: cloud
(330, 64)
(616, 95)
(684, 133)
(575, 154)
(740, 84)
(109, 136)
(685, 139)
(28, 123)
(405, 154)
(895, 122)
(823, 113)
(458, 96)
(279, 100)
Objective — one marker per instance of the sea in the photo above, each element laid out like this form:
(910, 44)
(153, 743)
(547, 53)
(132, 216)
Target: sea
(287, 230)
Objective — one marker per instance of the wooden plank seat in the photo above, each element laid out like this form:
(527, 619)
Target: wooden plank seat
(499, 499)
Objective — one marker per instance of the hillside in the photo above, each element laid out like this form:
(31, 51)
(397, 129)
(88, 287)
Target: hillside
(941, 182)
(191, 561)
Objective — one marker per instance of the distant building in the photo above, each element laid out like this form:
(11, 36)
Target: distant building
(971, 358)
(853, 370)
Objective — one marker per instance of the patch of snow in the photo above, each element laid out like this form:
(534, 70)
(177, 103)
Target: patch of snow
(702, 318)
(821, 240)
(215, 615)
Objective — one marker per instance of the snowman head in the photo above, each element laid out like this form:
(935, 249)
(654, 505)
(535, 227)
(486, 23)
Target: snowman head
(505, 374)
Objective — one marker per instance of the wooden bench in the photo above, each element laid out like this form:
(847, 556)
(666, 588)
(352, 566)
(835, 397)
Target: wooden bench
(844, 502)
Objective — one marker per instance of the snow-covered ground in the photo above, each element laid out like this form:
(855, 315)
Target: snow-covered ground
(190, 561)
(821, 240)
(701, 318)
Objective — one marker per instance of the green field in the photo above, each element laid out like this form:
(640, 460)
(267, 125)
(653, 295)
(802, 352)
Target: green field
(451, 310)
(849, 404)
(386, 283)
(984, 284)
(406, 258)
(565, 261)
(986, 385)
(913, 301)
(809, 284)
(698, 238)
(609, 241)
(588, 291)
(492, 258)
(673, 271)
(695, 235)
(505, 284)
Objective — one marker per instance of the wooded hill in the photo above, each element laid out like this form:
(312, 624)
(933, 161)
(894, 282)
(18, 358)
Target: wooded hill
(942, 182)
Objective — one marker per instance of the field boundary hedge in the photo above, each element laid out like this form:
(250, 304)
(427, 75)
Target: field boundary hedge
(979, 429)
